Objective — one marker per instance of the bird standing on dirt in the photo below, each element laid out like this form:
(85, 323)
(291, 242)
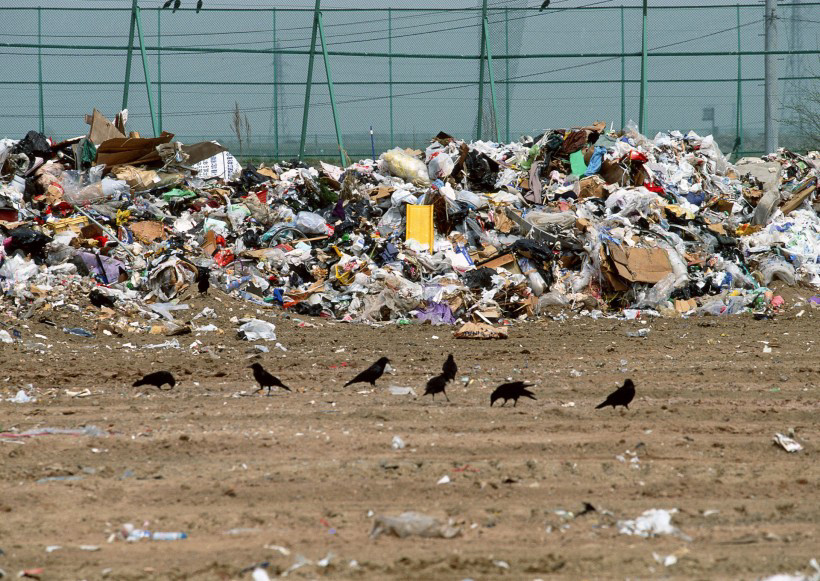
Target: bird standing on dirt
(265, 379)
(511, 391)
(436, 385)
(621, 396)
(449, 369)
(203, 282)
(371, 374)
(100, 299)
(157, 379)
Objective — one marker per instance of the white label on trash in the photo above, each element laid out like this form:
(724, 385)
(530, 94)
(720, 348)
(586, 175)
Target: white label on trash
(222, 165)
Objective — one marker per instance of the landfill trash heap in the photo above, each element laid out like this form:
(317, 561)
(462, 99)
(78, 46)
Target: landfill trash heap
(582, 219)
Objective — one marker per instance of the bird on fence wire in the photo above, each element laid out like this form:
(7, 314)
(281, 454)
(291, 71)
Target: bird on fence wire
(544, 5)
(178, 3)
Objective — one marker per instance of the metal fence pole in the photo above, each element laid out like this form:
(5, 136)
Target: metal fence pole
(481, 71)
(275, 94)
(643, 98)
(159, 68)
(309, 81)
(40, 67)
(138, 18)
(486, 26)
(129, 56)
(390, 69)
(507, 74)
(739, 103)
(770, 101)
(623, 72)
(339, 141)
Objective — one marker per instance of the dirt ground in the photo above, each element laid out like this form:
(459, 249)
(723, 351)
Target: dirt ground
(297, 477)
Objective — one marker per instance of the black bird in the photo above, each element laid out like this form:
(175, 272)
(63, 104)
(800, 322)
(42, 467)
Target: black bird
(167, 4)
(511, 391)
(198, 6)
(621, 396)
(100, 300)
(449, 368)
(436, 385)
(176, 5)
(265, 379)
(157, 379)
(544, 5)
(203, 282)
(371, 374)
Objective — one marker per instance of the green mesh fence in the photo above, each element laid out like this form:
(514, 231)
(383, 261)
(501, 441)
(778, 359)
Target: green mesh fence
(408, 73)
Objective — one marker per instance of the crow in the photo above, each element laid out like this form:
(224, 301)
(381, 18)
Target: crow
(176, 5)
(100, 299)
(167, 4)
(198, 6)
(371, 374)
(203, 282)
(436, 385)
(265, 379)
(621, 396)
(544, 5)
(449, 368)
(511, 391)
(157, 379)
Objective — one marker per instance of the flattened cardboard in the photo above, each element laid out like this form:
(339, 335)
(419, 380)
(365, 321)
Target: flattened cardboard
(147, 231)
(639, 264)
(133, 151)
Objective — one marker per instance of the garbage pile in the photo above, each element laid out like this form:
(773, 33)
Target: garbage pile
(601, 222)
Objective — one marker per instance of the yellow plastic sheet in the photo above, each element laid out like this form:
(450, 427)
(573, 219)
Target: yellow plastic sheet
(420, 225)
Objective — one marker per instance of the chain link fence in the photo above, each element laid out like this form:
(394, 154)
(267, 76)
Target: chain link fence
(240, 75)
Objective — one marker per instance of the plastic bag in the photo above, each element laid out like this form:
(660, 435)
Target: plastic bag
(406, 167)
(775, 267)
(440, 167)
(658, 295)
(412, 524)
(311, 223)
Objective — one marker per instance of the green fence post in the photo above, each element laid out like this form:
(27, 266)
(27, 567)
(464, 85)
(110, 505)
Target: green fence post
(129, 56)
(275, 94)
(138, 18)
(309, 81)
(159, 69)
(332, 94)
(623, 72)
(40, 67)
(642, 112)
(507, 74)
(481, 71)
(739, 113)
(486, 26)
(390, 69)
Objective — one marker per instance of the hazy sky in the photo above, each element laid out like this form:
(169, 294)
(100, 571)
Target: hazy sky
(430, 94)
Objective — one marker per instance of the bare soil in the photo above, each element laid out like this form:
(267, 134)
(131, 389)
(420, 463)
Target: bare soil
(244, 474)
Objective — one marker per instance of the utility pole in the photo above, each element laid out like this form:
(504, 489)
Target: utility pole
(771, 123)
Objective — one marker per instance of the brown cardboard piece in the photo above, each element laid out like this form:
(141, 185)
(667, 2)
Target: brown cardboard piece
(101, 129)
(685, 306)
(480, 331)
(506, 261)
(592, 187)
(147, 231)
(133, 151)
(798, 198)
(201, 151)
(639, 264)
